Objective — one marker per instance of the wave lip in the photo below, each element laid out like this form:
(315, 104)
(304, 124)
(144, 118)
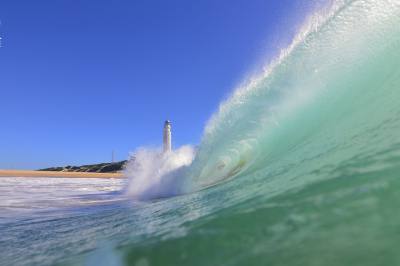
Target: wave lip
(345, 52)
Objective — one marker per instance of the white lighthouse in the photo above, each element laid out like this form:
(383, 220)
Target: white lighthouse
(167, 136)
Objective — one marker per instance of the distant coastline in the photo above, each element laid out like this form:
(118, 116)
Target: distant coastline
(55, 174)
(101, 170)
(114, 167)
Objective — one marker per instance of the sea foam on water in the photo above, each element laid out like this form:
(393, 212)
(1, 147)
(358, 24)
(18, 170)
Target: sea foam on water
(154, 174)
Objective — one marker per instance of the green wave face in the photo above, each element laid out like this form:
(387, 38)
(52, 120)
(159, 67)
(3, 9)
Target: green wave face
(331, 99)
(301, 165)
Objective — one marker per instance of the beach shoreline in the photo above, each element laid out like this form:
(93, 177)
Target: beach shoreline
(55, 174)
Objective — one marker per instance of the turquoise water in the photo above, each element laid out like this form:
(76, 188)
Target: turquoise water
(299, 166)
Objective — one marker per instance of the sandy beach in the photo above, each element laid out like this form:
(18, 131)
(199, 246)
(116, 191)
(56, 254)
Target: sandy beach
(31, 173)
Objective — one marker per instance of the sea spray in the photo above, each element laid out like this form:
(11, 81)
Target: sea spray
(156, 174)
(317, 77)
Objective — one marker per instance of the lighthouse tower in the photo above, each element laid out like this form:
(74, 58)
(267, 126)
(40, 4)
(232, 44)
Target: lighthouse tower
(167, 136)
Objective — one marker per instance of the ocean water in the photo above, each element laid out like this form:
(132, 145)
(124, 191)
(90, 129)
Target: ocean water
(300, 166)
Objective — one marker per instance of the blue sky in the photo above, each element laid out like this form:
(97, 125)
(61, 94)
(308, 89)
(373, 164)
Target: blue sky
(81, 78)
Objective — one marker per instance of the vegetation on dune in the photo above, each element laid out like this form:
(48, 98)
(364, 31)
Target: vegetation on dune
(94, 168)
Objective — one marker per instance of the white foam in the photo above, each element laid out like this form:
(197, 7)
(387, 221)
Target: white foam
(153, 174)
(20, 195)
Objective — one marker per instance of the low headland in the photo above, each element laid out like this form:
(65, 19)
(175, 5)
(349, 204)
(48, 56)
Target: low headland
(102, 170)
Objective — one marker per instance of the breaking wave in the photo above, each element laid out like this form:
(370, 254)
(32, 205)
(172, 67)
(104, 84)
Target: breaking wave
(154, 174)
(329, 87)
